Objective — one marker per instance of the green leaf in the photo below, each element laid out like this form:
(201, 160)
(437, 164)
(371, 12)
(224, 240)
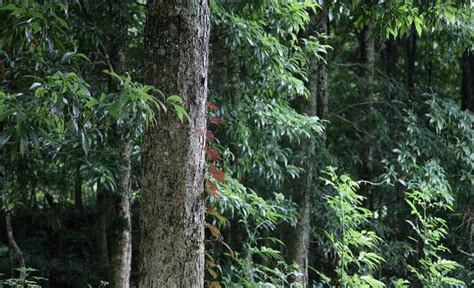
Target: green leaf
(85, 142)
(4, 137)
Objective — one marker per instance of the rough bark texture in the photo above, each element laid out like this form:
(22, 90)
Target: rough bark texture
(122, 257)
(467, 85)
(299, 239)
(172, 207)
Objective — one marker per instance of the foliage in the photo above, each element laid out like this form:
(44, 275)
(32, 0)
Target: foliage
(433, 270)
(72, 93)
(352, 243)
(29, 281)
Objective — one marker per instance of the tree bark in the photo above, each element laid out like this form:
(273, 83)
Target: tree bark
(389, 56)
(172, 200)
(316, 104)
(15, 249)
(122, 257)
(410, 63)
(103, 207)
(322, 75)
(367, 90)
(467, 85)
(121, 252)
(78, 186)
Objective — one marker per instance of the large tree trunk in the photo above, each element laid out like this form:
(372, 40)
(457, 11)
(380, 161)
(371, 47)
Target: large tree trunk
(172, 200)
(467, 85)
(122, 257)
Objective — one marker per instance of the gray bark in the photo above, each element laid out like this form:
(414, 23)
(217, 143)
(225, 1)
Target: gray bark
(121, 253)
(172, 200)
(122, 257)
(316, 104)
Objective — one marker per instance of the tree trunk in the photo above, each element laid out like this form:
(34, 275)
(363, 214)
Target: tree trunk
(467, 85)
(172, 200)
(78, 187)
(103, 207)
(122, 257)
(389, 54)
(16, 252)
(299, 238)
(322, 76)
(410, 63)
(121, 252)
(367, 90)
(22, 168)
(317, 103)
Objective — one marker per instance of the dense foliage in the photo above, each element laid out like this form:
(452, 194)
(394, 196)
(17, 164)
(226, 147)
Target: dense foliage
(382, 90)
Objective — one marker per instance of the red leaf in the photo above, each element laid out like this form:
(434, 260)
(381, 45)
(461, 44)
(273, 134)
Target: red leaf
(217, 121)
(209, 136)
(217, 174)
(213, 154)
(214, 230)
(212, 188)
(212, 106)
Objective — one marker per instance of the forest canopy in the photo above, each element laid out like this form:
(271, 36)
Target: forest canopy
(235, 143)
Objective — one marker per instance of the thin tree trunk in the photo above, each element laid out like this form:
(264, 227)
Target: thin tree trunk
(317, 103)
(390, 65)
(121, 252)
(122, 257)
(322, 76)
(172, 199)
(22, 167)
(18, 255)
(467, 85)
(103, 207)
(15, 250)
(78, 187)
(410, 63)
(367, 90)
